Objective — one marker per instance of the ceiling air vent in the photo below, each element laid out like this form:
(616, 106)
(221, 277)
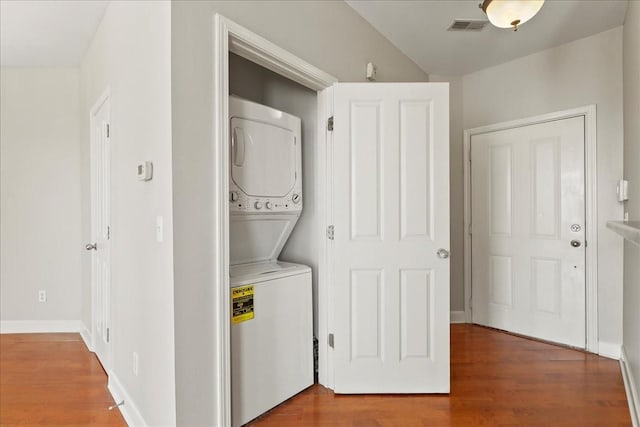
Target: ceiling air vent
(467, 25)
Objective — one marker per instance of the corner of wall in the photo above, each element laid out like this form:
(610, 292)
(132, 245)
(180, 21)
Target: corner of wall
(609, 350)
(85, 333)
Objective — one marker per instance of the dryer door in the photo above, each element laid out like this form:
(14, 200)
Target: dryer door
(263, 158)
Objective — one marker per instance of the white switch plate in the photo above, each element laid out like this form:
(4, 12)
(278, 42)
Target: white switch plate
(160, 229)
(42, 296)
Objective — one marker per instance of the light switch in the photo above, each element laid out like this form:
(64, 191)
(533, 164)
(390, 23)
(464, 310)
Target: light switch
(160, 229)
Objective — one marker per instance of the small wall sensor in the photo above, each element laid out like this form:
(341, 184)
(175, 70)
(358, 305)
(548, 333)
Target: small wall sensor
(145, 171)
(623, 190)
(371, 72)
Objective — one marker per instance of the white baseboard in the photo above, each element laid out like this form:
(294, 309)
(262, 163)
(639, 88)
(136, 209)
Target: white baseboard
(630, 387)
(457, 317)
(85, 333)
(40, 326)
(610, 350)
(129, 410)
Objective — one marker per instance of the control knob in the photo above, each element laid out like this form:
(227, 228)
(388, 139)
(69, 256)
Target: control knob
(268, 205)
(257, 205)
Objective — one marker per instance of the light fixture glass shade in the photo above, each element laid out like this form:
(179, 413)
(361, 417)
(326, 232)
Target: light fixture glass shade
(511, 13)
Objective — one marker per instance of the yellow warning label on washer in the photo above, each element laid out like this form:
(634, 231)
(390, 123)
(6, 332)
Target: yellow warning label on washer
(242, 304)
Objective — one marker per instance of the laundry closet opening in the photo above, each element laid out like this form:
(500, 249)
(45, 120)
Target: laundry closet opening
(273, 237)
(252, 82)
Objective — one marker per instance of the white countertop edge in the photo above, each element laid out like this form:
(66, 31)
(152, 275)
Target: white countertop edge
(627, 230)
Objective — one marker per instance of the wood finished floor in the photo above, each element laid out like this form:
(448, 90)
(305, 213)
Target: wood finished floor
(52, 379)
(496, 380)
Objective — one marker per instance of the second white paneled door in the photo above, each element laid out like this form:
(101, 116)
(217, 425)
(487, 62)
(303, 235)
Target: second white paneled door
(528, 230)
(101, 230)
(390, 204)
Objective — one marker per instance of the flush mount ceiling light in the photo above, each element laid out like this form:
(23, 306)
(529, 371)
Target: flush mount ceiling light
(510, 13)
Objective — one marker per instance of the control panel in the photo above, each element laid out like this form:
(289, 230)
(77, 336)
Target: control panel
(239, 201)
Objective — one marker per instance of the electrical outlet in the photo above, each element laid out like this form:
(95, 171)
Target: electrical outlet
(135, 363)
(42, 296)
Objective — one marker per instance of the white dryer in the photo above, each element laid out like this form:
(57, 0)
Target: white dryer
(265, 182)
(271, 330)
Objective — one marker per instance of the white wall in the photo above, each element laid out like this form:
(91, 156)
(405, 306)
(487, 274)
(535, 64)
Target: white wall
(583, 72)
(631, 52)
(131, 53)
(456, 177)
(246, 79)
(329, 35)
(42, 246)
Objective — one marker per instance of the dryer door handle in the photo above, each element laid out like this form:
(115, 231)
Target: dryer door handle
(237, 141)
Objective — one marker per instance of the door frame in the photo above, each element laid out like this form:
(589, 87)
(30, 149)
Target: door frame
(228, 36)
(104, 97)
(591, 226)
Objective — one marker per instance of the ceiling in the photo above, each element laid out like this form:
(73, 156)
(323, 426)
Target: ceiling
(45, 33)
(419, 30)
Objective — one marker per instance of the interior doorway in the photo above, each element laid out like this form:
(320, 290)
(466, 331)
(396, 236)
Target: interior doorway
(230, 38)
(100, 245)
(530, 254)
(528, 219)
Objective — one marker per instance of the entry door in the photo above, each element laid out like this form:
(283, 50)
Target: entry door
(390, 204)
(528, 229)
(100, 231)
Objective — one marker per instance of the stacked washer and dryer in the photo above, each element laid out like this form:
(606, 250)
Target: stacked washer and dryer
(271, 330)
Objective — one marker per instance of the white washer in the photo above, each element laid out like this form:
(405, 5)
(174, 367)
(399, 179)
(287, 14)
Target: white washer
(272, 352)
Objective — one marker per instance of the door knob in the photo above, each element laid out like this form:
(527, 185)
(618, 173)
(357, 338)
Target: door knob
(443, 253)
(91, 246)
(575, 243)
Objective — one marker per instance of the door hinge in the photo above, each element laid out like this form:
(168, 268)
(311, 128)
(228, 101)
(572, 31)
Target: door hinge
(108, 130)
(107, 334)
(330, 340)
(108, 233)
(330, 123)
(330, 232)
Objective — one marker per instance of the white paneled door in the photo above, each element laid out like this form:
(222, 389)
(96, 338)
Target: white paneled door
(528, 230)
(390, 266)
(100, 230)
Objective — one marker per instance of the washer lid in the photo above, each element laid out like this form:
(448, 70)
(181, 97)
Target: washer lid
(262, 271)
(263, 158)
